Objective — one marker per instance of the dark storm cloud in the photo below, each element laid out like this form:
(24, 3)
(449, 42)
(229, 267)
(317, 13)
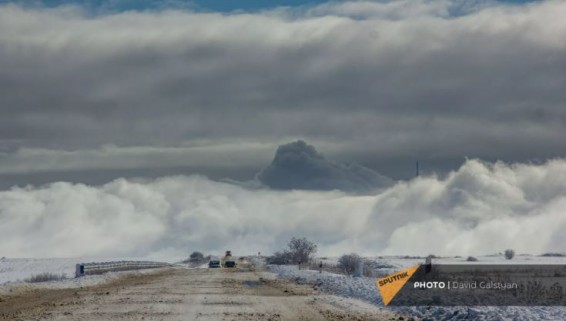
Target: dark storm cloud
(298, 165)
(398, 83)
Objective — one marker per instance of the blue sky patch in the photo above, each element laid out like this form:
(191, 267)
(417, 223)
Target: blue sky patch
(200, 5)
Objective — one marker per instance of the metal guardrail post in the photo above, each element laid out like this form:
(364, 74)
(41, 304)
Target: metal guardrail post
(79, 270)
(83, 269)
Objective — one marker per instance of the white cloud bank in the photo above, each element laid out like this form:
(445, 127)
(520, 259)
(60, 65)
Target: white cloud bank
(481, 208)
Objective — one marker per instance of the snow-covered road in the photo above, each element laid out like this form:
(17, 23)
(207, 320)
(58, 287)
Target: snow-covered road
(189, 294)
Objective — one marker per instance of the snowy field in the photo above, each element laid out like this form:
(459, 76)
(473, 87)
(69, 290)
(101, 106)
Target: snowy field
(401, 262)
(366, 289)
(14, 272)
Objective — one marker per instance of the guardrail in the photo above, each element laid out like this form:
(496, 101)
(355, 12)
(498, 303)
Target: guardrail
(83, 269)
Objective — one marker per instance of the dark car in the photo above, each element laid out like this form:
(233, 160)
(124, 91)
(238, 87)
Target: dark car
(214, 263)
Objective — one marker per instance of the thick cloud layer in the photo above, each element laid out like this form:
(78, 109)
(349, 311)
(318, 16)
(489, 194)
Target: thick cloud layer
(481, 208)
(298, 165)
(386, 81)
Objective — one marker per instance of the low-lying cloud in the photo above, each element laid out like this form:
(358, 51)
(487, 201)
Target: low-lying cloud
(218, 154)
(480, 208)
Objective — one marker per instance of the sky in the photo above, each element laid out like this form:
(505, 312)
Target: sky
(88, 98)
(315, 102)
(200, 5)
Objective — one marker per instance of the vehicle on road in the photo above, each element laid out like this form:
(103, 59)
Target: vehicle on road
(214, 262)
(229, 261)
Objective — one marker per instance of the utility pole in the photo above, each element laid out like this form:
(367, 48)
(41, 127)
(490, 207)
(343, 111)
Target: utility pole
(417, 168)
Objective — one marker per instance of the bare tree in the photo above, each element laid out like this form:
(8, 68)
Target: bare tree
(348, 263)
(301, 250)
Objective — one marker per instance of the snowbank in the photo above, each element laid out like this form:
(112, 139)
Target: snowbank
(359, 288)
(13, 272)
(366, 289)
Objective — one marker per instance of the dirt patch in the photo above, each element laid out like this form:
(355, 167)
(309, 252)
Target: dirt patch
(288, 288)
(33, 302)
(188, 294)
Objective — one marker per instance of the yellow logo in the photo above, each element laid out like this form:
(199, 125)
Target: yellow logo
(390, 285)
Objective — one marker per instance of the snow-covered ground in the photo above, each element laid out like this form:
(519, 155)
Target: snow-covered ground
(360, 288)
(405, 262)
(366, 289)
(14, 272)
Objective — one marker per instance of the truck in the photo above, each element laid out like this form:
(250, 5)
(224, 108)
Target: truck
(229, 261)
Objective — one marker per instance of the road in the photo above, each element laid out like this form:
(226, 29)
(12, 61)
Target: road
(189, 294)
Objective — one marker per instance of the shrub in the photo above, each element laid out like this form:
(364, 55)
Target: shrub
(509, 254)
(471, 259)
(298, 251)
(369, 268)
(196, 256)
(45, 277)
(378, 265)
(554, 254)
(301, 250)
(279, 258)
(348, 263)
